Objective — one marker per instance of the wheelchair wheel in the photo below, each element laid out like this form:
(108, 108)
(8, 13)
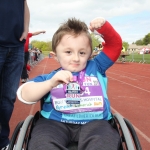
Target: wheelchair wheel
(20, 139)
(124, 132)
(15, 135)
(134, 135)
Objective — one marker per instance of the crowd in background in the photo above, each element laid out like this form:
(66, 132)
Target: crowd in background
(35, 55)
(24, 75)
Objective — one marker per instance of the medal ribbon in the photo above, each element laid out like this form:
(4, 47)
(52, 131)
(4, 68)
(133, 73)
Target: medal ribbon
(78, 79)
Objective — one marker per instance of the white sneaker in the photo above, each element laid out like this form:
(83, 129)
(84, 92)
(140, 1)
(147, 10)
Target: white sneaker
(23, 80)
(5, 148)
(26, 80)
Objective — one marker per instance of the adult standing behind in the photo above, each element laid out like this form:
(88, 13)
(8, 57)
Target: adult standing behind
(14, 27)
(25, 76)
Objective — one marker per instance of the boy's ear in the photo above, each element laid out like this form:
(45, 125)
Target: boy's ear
(52, 54)
(55, 57)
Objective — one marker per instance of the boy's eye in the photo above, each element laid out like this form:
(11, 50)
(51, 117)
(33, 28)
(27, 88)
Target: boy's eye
(82, 53)
(68, 52)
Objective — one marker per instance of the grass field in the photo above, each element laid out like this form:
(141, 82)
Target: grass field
(139, 58)
(45, 53)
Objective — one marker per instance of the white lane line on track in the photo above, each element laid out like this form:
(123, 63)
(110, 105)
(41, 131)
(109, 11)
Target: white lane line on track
(32, 107)
(136, 68)
(136, 129)
(123, 76)
(129, 84)
(127, 77)
(135, 75)
(45, 66)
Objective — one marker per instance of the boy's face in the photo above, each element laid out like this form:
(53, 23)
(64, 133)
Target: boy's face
(73, 52)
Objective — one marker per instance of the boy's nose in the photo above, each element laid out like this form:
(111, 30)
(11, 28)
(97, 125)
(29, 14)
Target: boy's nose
(76, 57)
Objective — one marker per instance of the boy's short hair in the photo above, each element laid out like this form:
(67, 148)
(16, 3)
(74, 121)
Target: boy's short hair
(71, 26)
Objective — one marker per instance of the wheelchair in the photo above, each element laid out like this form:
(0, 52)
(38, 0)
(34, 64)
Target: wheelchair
(22, 133)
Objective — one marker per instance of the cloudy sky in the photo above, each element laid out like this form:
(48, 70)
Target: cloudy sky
(131, 18)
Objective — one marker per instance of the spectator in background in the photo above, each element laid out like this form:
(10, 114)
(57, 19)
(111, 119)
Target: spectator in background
(123, 54)
(14, 27)
(24, 75)
(31, 54)
(100, 47)
(38, 54)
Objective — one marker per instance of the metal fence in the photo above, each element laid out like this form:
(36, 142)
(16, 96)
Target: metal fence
(139, 58)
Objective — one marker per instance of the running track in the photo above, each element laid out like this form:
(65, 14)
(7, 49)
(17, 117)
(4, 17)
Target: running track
(128, 91)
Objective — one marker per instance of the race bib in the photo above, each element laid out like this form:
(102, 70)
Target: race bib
(74, 101)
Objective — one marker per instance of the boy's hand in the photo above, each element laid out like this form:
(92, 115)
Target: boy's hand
(96, 23)
(62, 76)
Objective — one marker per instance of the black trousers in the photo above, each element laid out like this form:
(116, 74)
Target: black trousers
(24, 74)
(53, 135)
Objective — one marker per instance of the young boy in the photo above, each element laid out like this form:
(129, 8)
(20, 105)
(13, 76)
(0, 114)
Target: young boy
(76, 107)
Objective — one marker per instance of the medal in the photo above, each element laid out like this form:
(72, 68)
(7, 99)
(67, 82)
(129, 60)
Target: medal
(73, 90)
(73, 93)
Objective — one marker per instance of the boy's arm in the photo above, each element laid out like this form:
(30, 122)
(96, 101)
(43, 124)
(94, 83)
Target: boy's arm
(113, 41)
(31, 92)
(26, 21)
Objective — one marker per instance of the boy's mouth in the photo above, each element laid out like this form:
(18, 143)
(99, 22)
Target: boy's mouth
(75, 65)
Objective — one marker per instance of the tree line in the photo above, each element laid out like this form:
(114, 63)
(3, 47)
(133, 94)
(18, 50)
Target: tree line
(96, 40)
(143, 41)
